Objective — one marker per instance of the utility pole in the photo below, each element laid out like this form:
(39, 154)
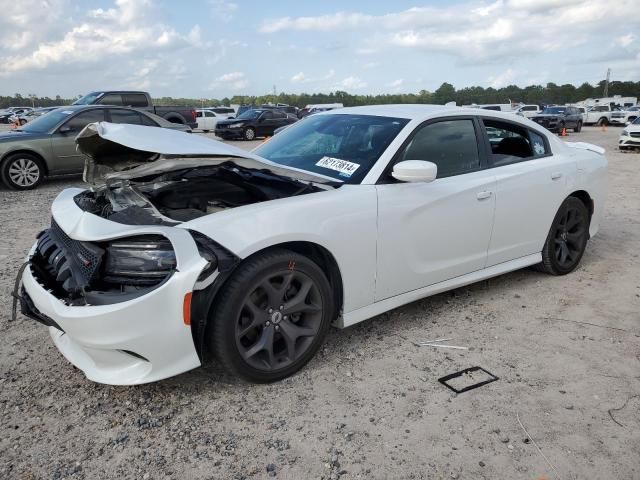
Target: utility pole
(606, 85)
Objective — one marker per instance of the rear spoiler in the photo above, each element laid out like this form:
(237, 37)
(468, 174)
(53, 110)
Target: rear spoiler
(586, 146)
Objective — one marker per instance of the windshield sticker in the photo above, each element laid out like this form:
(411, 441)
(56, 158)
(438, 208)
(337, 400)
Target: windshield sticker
(346, 169)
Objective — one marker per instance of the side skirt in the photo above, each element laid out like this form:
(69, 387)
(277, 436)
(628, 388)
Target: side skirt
(364, 313)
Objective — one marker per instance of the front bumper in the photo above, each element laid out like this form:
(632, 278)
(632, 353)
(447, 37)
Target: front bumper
(140, 340)
(629, 141)
(228, 133)
(551, 125)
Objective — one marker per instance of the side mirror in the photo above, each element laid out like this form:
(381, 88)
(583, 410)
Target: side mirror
(415, 171)
(65, 129)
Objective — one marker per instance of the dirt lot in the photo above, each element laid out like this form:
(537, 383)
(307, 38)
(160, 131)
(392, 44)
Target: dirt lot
(369, 405)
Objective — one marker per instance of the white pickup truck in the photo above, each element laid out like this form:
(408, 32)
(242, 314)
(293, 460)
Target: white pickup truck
(600, 115)
(623, 117)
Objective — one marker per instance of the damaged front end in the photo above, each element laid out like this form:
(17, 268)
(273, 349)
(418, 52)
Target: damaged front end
(100, 273)
(150, 176)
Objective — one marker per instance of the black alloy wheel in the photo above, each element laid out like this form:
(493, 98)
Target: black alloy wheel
(567, 238)
(271, 316)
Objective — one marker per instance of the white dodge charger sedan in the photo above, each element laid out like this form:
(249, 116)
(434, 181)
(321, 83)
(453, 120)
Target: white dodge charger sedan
(186, 247)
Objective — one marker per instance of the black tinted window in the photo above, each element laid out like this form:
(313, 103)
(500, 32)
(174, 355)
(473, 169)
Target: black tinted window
(110, 99)
(451, 145)
(83, 119)
(147, 121)
(268, 115)
(509, 142)
(126, 116)
(135, 100)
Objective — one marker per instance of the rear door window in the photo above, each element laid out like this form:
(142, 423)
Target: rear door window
(511, 143)
(125, 116)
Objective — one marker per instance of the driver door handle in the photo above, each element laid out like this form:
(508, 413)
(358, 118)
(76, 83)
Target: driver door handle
(484, 195)
(556, 175)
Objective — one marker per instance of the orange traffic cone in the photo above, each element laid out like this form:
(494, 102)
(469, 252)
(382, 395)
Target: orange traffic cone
(563, 132)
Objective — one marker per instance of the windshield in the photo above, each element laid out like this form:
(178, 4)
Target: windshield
(45, 123)
(344, 147)
(88, 99)
(249, 115)
(554, 110)
(636, 121)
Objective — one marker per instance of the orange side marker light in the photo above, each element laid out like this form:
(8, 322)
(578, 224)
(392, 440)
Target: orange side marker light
(186, 308)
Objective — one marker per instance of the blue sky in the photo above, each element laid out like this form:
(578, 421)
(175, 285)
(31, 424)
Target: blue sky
(217, 48)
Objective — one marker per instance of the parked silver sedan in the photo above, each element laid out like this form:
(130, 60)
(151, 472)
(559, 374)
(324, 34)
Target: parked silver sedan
(46, 145)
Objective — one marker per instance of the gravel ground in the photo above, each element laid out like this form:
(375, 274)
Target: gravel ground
(369, 405)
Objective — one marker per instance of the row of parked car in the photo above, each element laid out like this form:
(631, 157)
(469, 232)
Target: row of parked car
(594, 115)
(252, 121)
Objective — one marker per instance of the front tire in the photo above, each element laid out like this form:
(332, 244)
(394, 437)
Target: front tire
(249, 134)
(578, 127)
(22, 171)
(567, 238)
(271, 316)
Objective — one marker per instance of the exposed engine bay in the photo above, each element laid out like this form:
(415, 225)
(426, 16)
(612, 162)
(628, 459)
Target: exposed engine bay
(182, 195)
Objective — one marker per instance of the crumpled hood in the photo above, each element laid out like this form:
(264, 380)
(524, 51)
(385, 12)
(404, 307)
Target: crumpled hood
(126, 152)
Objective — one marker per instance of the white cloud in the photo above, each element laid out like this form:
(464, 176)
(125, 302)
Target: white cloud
(126, 29)
(626, 40)
(502, 79)
(298, 78)
(232, 80)
(477, 31)
(223, 10)
(351, 83)
(396, 83)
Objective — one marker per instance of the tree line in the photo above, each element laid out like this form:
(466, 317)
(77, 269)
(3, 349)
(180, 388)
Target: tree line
(549, 93)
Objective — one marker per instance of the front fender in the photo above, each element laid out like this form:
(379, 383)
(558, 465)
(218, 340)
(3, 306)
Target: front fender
(343, 221)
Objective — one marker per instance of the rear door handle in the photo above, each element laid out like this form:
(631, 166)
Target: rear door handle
(484, 195)
(556, 175)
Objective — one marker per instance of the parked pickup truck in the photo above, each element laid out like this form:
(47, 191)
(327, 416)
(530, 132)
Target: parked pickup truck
(140, 101)
(600, 115)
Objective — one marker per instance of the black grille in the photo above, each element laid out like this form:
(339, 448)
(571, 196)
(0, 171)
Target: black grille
(64, 265)
(634, 134)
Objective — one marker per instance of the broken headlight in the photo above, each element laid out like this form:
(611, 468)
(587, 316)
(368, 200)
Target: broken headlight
(143, 260)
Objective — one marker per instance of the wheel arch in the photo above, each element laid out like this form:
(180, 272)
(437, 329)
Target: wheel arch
(586, 199)
(203, 300)
(175, 118)
(38, 155)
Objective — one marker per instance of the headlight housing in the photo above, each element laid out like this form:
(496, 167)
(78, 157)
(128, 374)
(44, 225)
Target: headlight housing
(625, 133)
(143, 260)
(236, 125)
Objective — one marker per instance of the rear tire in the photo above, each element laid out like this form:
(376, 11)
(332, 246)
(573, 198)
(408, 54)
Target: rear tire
(578, 127)
(603, 122)
(271, 316)
(567, 238)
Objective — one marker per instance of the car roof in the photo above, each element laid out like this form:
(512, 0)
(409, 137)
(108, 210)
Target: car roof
(416, 111)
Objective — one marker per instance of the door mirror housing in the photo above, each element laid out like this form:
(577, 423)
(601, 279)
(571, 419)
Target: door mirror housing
(415, 171)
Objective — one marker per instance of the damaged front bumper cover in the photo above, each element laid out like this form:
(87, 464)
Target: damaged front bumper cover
(139, 340)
